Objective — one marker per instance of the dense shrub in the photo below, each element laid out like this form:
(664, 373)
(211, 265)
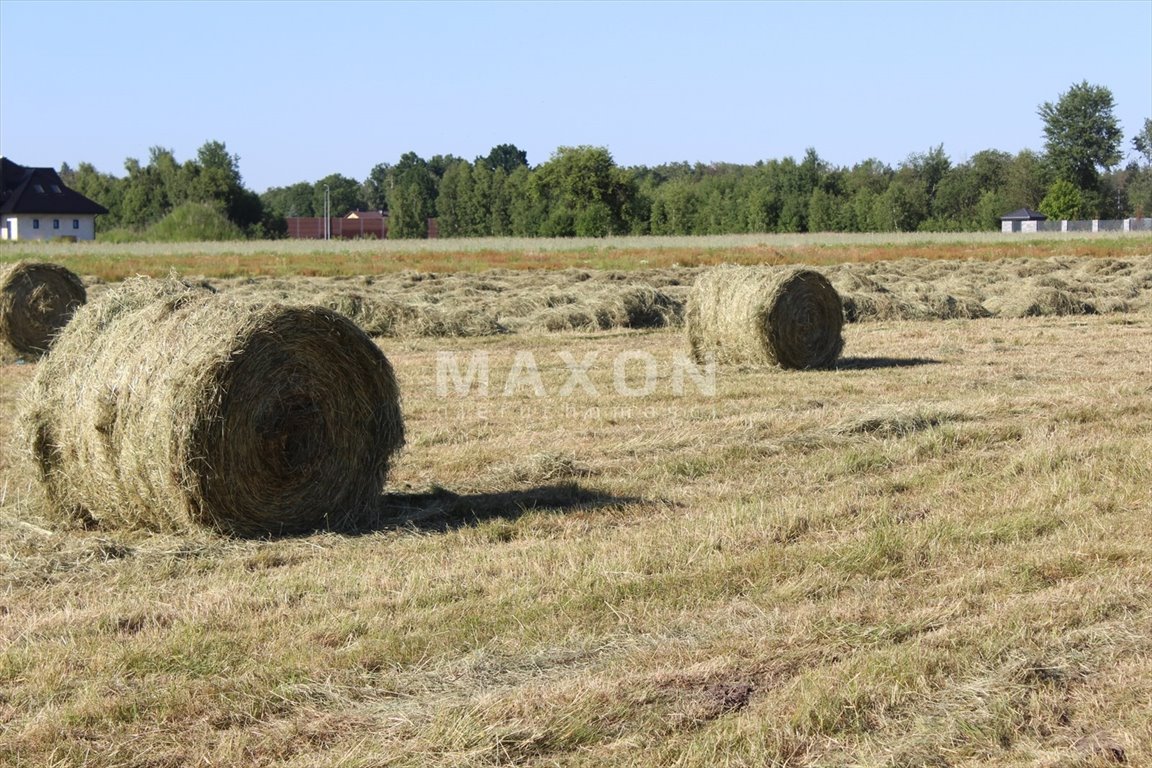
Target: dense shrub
(194, 222)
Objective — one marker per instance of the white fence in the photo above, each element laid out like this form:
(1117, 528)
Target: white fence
(1082, 225)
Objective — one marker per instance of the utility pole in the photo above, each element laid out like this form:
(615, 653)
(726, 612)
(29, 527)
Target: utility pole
(327, 214)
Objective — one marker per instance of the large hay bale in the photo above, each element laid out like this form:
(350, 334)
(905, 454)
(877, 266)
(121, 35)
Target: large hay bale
(164, 406)
(791, 317)
(36, 301)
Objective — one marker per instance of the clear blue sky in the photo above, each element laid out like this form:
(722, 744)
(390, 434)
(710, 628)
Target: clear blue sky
(300, 90)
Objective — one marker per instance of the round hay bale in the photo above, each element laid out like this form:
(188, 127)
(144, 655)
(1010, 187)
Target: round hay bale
(789, 317)
(36, 301)
(164, 406)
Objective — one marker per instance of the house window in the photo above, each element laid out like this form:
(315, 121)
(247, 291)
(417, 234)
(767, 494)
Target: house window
(35, 223)
(39, 188)
(57, 190)
(75, 223)
(55, 223)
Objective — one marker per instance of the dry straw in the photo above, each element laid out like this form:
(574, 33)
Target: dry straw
(165, 406)
(36, 301)
(790, 317)
(1037, 301)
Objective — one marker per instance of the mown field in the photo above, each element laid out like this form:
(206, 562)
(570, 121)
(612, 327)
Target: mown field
(937, 554)
(287, 258)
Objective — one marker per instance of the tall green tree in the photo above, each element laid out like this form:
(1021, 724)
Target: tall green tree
(294, 200)
(956, 198)
(863, 185)
(636, 209)
(145, 198)
(461, 209)
(762, 195)
(967, 190)
(480, 198)
(1138, 175)
(990, 167)
(824, 213)
(505, 157)
(989, 208)
(438, 165)
(104, 188)
(176, 179)
(584, 193)
(928, 169)
(1026, 181)
(496, 187)
(376, 187)
(901, 207)
(344, 195)
(1082, 134)
(527, 209)
(1142, 141)
(411, 197)
(1063, 201)
(215, 178)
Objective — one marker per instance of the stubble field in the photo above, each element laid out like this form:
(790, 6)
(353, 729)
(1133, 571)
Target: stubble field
(937, 554)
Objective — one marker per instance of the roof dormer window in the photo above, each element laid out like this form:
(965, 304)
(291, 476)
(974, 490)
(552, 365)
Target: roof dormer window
(57, 190)
(39, 188)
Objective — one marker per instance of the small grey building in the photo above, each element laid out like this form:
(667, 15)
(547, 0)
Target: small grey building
(1023, 220)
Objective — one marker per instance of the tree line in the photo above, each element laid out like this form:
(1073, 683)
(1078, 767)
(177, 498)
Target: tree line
(581, 191)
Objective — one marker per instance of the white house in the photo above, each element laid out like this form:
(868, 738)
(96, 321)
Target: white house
(35, 205)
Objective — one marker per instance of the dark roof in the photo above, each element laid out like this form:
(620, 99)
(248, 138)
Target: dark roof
(1024, 214)
(39, 190)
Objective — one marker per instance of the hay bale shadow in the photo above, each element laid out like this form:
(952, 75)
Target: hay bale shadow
(869, 363)
(440, 510)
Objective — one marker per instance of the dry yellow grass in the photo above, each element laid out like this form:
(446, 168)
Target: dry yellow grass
(281, 258)
(499, 301)
(938, 554)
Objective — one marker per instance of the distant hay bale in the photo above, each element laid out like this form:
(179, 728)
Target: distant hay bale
(36, 301)
(164, 406)
(790, 317)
